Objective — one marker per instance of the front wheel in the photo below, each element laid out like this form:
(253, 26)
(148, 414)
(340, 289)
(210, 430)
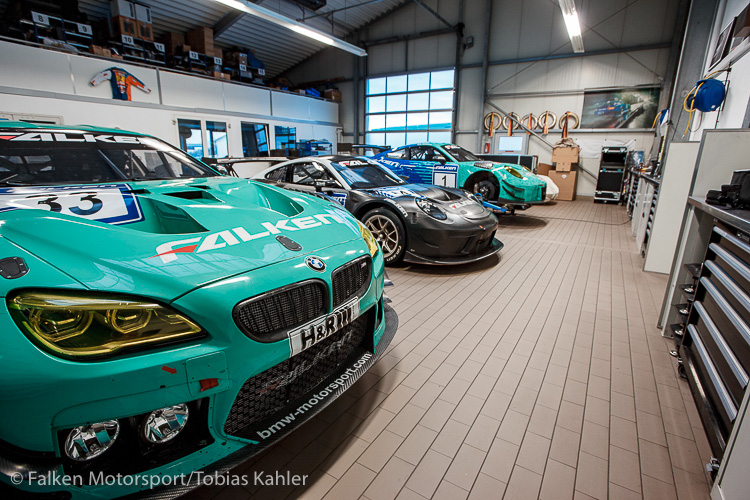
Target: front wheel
(486, 189)
(389, 231)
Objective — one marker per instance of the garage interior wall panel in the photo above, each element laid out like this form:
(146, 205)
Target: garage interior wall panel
(251, 100)
(30, 68)
(183, 91)
(45, 82)
(734, 109)
(528, 29)
(322, 111)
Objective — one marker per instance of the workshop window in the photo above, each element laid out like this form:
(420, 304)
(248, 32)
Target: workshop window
(254, 139)
(217, 140)
(406, 109)
(191, 137)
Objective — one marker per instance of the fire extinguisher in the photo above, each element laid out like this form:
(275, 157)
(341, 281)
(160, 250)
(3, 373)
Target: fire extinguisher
(486, 147)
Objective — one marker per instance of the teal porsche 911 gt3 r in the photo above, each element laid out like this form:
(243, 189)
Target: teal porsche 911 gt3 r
(159, 318)
(452, 166)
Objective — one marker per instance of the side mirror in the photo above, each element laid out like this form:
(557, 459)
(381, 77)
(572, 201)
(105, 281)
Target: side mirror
(320, 184)
(404, 177)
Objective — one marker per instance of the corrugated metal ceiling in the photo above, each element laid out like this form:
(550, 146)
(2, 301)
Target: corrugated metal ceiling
(279, 48)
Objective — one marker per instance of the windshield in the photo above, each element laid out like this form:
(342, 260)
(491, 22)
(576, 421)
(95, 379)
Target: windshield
(364, 174)
(50, 157)
(460, 154)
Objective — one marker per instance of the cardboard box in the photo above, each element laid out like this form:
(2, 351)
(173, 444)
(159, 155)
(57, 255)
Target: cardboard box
(563, 166)
(122, 8)
(143, 13)
(566, 182)
(544, 168)
(236, 58)
(219, 53)
(332, 94)
(124, 26)
(172, 42)
(201, 40)
(145, 32)
(565, 154)
(220, 75)
(115, 56)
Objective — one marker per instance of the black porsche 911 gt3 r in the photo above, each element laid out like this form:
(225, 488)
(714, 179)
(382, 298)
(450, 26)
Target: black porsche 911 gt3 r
(416, 223)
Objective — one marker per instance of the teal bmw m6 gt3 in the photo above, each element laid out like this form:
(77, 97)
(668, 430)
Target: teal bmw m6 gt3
(159, 318)
(452, 166)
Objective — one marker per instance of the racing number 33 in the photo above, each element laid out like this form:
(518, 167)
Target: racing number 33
(112, 203)
(85, 199)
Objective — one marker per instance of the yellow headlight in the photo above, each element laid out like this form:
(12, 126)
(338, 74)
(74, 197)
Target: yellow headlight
(95, 325)
(372, 243)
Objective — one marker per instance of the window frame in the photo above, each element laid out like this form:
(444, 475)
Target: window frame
(429, 127)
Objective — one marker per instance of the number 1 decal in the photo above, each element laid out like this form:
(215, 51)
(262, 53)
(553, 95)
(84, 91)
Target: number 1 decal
(445, 179)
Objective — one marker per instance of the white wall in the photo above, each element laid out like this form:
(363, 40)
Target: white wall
(518, 29)
(46, 82)
(732, 113)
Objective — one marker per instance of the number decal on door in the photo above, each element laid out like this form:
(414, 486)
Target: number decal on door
(445, 179)
(112, 203)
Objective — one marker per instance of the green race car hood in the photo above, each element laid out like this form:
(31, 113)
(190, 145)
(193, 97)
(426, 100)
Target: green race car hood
(189, 233)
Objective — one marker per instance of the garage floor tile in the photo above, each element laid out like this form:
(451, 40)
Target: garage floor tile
(539, 373)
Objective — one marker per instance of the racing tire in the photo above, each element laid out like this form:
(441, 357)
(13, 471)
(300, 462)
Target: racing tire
(389, 231)
(486, 188)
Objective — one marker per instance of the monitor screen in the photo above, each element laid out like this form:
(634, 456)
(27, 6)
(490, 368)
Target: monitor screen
(505, 144)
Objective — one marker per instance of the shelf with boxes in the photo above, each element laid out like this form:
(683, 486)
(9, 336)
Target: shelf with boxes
(42, 26)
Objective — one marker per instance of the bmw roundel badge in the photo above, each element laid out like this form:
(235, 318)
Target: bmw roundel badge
(315, 263)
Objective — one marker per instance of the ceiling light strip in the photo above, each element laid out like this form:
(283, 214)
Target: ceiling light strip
(570, 16)
(285, 22)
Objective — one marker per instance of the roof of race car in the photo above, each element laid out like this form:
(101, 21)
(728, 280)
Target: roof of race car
(425, 144)
(82, 128)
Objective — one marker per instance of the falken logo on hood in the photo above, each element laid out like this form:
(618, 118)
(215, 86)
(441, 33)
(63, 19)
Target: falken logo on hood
(396, 192)
(230, 237)
(66, 137)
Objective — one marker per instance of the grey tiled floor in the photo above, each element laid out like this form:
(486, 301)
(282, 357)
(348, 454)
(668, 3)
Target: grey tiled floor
(536, 375)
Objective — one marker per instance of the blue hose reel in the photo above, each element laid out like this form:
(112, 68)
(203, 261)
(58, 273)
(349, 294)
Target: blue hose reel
(708, 96)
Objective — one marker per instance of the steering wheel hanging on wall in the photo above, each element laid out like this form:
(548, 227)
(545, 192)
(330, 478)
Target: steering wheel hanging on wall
(530, 121)
(492, 122)
(513, 124)
(567, 117)
(547, 120)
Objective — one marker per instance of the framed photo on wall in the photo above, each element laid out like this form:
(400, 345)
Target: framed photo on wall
(722, 44)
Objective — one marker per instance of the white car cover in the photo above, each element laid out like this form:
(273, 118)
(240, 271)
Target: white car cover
(552, 189)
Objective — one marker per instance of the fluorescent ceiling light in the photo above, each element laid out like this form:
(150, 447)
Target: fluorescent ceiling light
(570, 16)
(279, 20)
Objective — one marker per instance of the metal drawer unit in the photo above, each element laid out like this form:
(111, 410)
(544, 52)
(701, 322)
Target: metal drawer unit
(715, 346)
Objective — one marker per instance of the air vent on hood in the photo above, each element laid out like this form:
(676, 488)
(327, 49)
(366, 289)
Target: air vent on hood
(164, 218)
(194, 195)
(278, 202)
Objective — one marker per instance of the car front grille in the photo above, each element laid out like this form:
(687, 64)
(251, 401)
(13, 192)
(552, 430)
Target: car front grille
(267, 316)
(268, 392)
(350, 279)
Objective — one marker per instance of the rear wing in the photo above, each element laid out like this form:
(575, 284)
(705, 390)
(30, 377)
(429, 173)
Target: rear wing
(244, 167)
